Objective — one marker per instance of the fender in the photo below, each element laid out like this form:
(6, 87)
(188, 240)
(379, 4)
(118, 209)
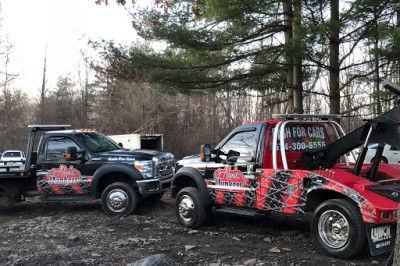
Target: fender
(194, 175)
(129, 170)
(318, 182)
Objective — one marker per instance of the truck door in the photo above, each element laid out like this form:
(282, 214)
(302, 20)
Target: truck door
(59, 176)
(230, 184)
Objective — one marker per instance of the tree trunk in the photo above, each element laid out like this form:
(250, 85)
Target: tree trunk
(297, 60)
(334, 92)
(288, 18)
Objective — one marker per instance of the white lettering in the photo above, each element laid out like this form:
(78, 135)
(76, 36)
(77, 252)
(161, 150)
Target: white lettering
(380, 233)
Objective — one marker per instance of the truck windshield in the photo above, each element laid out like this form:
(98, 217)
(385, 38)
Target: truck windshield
(97, 142)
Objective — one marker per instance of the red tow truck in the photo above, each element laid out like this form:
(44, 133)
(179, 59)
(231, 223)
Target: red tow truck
(297, 164)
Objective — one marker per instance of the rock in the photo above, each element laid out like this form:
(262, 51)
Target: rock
(275, 250)
(154, 260)
(236, 238)
(375, 262)
(193, 232)
(73, 237)
(189, 247)
(250, 262)
(94, 254)
(62, 248)
(134, 240)
(268, 240)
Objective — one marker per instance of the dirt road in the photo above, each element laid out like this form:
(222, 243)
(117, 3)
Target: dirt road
(36, 233)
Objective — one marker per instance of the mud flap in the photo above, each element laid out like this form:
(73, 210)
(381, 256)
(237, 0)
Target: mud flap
(381, 238)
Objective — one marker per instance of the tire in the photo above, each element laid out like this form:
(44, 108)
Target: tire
(119, 199)
(337, 228)
(383, 160)
(189, 208)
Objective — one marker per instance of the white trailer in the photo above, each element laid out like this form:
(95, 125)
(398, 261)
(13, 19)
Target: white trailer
(140, 141)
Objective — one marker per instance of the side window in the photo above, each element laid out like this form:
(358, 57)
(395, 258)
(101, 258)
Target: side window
(243, 142)
(394, 148)
(56, 147)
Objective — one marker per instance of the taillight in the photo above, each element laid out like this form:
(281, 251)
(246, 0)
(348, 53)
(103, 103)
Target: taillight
(386, 216)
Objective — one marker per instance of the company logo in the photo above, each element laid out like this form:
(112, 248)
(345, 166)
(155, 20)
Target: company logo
(228, 177)
(64, 176)
(381, 233)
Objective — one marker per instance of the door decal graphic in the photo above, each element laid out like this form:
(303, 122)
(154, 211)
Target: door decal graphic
(63, 180)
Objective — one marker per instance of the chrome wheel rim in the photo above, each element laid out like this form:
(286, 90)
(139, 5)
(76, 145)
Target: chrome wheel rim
(117, 200)
(333, 229)
(186, 208)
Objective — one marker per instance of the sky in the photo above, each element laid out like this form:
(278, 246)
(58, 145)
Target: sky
(65, 26)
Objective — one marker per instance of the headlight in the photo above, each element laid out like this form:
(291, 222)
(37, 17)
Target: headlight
(145, 167)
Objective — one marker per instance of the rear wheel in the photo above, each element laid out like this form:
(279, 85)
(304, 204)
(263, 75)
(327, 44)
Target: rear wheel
(189, 208)
(119, 199)
(338, 229)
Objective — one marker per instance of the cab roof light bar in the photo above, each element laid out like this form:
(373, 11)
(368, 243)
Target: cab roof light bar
(306, 116)
(49, 127)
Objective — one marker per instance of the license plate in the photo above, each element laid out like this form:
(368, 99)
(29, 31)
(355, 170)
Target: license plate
(381, 238)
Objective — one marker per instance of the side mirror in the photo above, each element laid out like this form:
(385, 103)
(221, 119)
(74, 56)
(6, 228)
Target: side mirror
(121, 145)
(205, 152)
(232, 156)
(71, 154)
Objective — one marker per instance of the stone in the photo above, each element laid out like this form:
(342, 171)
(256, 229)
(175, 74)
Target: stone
(268, 240)
(154, 260)
(250, 262)
(275, 250)
(189, 247)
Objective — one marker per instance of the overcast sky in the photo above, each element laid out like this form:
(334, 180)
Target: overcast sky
(65, 26)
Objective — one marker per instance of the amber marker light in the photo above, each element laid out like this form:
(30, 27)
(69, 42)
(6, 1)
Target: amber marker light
(202, 156)
(139, 167)
(68, 156)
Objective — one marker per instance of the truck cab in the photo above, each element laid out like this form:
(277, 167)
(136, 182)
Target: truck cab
(297, 164)
(83, 164)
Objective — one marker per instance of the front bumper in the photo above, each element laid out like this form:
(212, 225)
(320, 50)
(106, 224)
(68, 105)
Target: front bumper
(153, 186)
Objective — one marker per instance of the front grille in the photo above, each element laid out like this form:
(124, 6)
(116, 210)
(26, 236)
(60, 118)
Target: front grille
(166, 167)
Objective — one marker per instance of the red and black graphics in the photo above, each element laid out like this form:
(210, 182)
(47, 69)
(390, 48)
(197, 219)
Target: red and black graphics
(279, 190)
(321, 179)
(268, 190)
(230, 186)
(64, 181)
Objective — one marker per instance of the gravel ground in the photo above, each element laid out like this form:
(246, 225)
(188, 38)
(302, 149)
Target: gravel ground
(36, 233)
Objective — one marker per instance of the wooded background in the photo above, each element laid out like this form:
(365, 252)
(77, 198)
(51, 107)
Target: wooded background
(205, 67)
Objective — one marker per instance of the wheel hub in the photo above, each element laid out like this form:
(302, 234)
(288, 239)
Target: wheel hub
(186, 208)
(117, 200)
(333, 229)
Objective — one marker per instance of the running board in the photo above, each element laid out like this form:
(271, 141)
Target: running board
(239, 211)
(66, 198)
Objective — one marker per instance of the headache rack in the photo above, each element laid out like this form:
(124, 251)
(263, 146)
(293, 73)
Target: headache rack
(300, 118)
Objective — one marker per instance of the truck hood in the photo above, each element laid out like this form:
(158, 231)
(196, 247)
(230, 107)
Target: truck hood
(124, 154)
(192, 159)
